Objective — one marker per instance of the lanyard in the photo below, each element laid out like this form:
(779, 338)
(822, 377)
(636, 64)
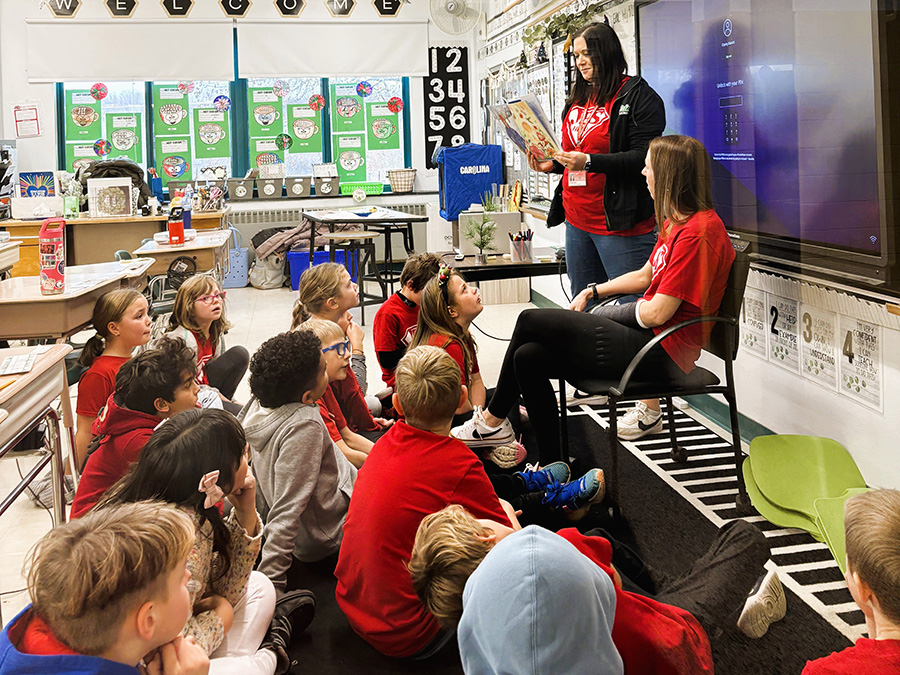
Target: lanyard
(579, 129)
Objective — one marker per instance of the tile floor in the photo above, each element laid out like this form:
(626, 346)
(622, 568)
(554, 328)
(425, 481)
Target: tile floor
(255, 315)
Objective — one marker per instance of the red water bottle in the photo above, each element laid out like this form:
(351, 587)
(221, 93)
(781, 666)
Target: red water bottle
(176, 226)
(52, 245)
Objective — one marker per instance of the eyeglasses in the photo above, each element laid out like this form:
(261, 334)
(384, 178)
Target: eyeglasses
(211, 298)
(340, 347)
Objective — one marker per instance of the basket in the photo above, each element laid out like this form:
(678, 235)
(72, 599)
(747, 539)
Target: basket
(368, 188)
(402, 180)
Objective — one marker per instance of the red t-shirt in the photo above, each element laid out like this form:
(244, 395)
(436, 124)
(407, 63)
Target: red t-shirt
(586, 129)
(352, 401)
(331, 414)
(409, 474)
(651, 637)
(206, 350)
(97, 383)
(455, 349)
(872, 657)
(691, 263)
(395, 325)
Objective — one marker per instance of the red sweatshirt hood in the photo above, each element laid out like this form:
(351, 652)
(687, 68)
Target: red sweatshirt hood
(115, 420)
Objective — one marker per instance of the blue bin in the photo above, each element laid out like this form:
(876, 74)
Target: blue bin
(299, 261)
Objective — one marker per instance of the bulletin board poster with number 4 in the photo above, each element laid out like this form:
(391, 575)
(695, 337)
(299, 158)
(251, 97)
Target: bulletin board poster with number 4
(861, 366)
(446, 100)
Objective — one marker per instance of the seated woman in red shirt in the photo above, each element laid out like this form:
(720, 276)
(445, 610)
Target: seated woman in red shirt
(684, 278)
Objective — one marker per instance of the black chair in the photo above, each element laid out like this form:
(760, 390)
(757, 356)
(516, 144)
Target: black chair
(723, 343)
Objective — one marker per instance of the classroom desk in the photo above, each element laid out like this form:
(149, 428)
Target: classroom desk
(95, 240)
(9, 256)
(500, 268)
(28, 401)
(382, 220)
(209, 250)
(25, 313)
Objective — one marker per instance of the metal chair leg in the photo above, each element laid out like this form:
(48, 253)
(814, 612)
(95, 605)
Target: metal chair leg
(563, 422)
(679, 454)
(612, 479)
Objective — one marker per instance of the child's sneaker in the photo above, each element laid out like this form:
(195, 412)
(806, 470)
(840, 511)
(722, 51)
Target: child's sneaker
(540, 479)
(509, 455)
(477, 434)
(587, 490)
(765, 605)
(638, 422)
(294, 611)
(577, 397)
(41, 491)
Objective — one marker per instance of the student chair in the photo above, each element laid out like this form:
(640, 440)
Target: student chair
(723, 343)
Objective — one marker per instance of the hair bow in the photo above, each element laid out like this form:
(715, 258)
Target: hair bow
(444, 274)
(214, 493)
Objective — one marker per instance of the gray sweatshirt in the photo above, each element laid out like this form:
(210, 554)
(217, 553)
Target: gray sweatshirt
(304, 484)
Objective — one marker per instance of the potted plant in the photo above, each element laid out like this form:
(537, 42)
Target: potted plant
(482, 235)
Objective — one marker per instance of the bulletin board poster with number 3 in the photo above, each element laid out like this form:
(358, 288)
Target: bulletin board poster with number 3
(446, 99)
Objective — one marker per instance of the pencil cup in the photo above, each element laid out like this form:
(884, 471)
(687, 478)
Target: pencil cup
(520, 251)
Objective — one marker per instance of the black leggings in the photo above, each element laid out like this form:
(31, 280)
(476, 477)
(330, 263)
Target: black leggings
(226, 371)
(548, 344)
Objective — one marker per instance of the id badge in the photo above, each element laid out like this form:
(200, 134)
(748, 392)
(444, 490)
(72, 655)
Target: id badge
(577, 178)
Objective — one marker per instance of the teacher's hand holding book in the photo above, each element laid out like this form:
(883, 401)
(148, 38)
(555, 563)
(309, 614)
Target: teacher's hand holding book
(573, 161)
(543, 166)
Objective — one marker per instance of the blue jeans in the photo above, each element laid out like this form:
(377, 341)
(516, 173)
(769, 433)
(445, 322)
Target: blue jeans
(601, 257)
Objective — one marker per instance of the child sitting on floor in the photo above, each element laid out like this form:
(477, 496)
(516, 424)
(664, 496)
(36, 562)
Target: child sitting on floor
(413, 470)
(396, 319)
(151, 387)
(336, 349)
(662, 634)
(198, 317)
(193, 461)
(108, 590)
(872, 526)
(305, 482)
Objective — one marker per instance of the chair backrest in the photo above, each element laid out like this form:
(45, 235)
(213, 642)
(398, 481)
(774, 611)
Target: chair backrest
(724, 342)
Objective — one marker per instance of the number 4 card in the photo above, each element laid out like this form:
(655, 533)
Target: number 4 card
(861, 367)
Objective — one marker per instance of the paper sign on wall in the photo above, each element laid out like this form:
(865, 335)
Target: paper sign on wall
(753, 323)
(861, 368)
(817, 352)
(784, 349)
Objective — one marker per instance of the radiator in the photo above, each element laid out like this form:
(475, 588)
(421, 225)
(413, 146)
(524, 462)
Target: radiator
(273, 217)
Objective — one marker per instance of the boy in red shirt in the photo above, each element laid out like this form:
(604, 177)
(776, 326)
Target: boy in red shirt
(150, 388)
(395, 321)
(416, 468)
(665, 634)
(872, 526)
(95, 613)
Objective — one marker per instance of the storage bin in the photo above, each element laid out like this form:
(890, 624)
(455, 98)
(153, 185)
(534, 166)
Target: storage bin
(402, 180)
(240, 189)
(368, 188)
(297, 186)
(269, 188)
(299, 261)
(327, 187)
(238, 268)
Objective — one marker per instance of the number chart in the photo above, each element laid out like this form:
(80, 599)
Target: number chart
(446, 100)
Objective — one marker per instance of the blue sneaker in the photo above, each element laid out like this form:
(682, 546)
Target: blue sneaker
(540, 479)
(587, 490)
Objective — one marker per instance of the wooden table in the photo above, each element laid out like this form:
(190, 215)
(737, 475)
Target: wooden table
(381, 219)
(9, 256)
(95, 240)
(500, 268)
(25, 313)
(26, 403)
(209, 250)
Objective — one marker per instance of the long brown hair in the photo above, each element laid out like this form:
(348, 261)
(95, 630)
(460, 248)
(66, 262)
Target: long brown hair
(681, 180)
(435, 319)
(609, 67)
(183, 311)
(317, 285)
(109, 308)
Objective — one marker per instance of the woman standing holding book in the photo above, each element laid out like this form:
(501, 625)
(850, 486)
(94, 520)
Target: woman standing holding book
(608, 123)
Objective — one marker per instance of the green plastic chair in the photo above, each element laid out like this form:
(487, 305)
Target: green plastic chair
(774, 513)
(122, 255)
(830, 521)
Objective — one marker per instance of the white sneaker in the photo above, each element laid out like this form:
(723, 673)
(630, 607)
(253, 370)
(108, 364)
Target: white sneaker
(477, 434)
(638, 422)
(577, 397)
(765, 605)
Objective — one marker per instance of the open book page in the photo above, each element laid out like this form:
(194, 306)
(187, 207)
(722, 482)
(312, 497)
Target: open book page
(528, 127)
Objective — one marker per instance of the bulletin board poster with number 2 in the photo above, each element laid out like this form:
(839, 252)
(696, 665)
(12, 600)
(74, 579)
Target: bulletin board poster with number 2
(446, 100)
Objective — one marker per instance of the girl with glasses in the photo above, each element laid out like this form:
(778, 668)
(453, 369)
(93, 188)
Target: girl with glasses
(198, 317)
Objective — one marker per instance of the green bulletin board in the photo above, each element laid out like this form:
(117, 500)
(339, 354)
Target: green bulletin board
(173, 157)
(82, 116)
(382, 127)
(211, 133)
(346, 109)
(349, 151)
(306, 128)
(124, 131)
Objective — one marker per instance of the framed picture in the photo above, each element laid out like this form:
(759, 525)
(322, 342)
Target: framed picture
(109, 197)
